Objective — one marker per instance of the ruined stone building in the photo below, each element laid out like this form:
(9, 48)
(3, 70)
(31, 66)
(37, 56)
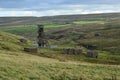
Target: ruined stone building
(42, 42)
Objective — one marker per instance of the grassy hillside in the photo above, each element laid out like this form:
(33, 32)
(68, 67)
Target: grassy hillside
(21, 66)
(48, 64)
(11, 42)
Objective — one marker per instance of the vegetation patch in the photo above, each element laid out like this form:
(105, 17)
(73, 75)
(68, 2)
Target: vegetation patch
(87, 22)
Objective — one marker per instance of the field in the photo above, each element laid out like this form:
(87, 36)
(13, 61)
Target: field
(87, 22)
(74, 31)
(24, 28)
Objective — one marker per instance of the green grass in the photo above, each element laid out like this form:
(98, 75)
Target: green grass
(22, 28)
(55, 25)
(19, 29)
(11, 42)
(87, 22)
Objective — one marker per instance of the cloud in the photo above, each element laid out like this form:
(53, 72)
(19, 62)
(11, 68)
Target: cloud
(62, 10)
(50, 3)
(56, 7)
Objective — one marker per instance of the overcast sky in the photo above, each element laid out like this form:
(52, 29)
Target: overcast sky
(56, 7)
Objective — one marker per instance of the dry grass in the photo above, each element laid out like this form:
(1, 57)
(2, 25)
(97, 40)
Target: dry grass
(23, 66)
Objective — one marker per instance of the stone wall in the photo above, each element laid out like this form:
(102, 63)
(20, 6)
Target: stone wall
(92, 54)
(72, 51)
(31, 50)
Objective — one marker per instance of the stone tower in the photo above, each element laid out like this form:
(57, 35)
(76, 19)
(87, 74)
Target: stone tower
(41, 36)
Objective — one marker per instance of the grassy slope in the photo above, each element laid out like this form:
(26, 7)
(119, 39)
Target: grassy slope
(11, 42)
(23, 66)
(16, 65)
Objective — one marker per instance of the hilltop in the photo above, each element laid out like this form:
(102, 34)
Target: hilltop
(61, 19)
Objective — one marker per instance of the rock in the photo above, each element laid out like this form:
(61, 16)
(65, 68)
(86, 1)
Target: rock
(23, 40)
(82, 36)
(97, 34)
(78, 51)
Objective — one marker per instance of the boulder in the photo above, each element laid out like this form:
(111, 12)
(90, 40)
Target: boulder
(23, 40)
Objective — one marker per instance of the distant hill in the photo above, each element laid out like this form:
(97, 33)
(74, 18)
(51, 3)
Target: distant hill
(6, 21)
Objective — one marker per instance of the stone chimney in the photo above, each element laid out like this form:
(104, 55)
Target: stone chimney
(41, 36)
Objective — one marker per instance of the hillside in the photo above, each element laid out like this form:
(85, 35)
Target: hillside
(12, 42)
(18, 65)
(76, 33)
(101, 33)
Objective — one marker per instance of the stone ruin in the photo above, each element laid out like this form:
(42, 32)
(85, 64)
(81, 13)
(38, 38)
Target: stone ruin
(31, 50)
(42, 42)
(92, 54)
(81, 36)
(72, 51)
(89, 53)
(88, 46)
(97, 34)
(40, 35)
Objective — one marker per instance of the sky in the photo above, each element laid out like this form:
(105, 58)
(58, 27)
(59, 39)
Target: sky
(57, 7)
